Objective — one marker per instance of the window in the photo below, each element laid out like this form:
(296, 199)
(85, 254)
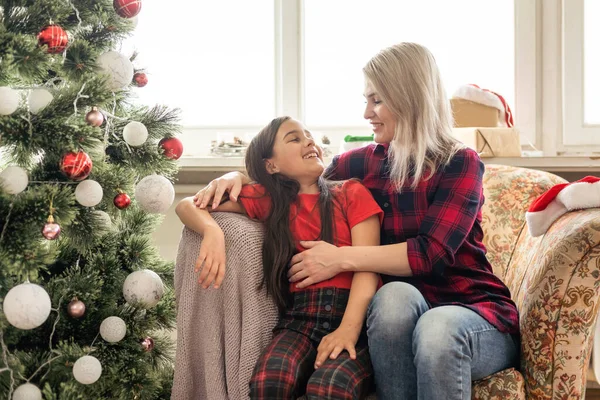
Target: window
(581, 83)
(472, 40)
(212, 59)
(232, 65)
(591, 41)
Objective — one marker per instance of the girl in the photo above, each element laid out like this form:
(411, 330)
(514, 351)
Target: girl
(318, 322)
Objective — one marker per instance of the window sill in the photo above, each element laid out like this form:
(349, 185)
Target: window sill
(558, 163)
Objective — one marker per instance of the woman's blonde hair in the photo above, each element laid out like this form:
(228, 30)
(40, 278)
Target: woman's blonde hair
(407, 79)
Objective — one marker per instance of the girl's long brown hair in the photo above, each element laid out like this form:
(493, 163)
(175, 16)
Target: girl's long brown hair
(278, 246)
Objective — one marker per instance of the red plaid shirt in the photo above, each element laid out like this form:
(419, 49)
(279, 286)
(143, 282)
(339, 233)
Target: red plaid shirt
(440, 221)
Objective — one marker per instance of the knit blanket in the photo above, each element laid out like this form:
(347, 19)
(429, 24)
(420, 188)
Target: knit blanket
(221, 332)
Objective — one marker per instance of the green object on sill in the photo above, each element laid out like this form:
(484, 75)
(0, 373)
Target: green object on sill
(350, 138)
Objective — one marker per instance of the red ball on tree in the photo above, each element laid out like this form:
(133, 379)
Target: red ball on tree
(76, 166)
(140, 79)
(173, 148)
(122, 201)
(54, 37)
(127, 8)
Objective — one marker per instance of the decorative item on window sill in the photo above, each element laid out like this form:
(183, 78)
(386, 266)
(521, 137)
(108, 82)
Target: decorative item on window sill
(326, 146)
(235, 147)
(352, 142)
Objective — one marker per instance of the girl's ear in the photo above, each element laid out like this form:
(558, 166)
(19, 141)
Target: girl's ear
(271, 167)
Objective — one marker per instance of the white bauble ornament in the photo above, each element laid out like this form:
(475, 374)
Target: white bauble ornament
(27, 391)
(27, 306)
(155, 194)
(134, 21)
(113, 329)
(9, 100)
(38, 100)
(14, 179)
(135, 133)
(88, 193)
(117, 67)
(143, 288)
(87, 370)
(105, 222)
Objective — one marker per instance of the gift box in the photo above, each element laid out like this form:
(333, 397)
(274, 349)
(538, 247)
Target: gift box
(470, 114)
(491, 142)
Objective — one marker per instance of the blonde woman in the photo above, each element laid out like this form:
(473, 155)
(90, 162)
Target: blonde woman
(443, 318)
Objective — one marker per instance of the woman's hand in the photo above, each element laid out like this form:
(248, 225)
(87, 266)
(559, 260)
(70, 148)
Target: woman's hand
(231, 183)
(211, 258)
(343, 338)
(320, 262)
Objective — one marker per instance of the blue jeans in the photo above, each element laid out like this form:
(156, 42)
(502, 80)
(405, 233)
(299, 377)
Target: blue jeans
(423, 353)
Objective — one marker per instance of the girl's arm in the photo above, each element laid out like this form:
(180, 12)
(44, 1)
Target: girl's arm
(211, 258)
(364, 286)
(198, 219)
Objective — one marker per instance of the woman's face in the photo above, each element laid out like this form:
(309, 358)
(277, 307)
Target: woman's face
(380, 117)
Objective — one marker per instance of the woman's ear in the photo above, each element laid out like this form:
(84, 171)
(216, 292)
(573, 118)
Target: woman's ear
(271, 167)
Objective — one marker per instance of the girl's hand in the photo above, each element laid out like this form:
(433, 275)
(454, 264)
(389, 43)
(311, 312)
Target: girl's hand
(211, 258)
(343, 338)
(230, 183)
(321, 261)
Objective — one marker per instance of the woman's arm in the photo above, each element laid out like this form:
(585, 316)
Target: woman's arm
(231, 183)
(198, 219)
(364, 286)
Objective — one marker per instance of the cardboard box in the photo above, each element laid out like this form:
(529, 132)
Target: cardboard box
(470, 114)
(491, 142)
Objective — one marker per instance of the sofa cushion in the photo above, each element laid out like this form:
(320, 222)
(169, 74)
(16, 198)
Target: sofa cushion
(504, 385)
(508, 193)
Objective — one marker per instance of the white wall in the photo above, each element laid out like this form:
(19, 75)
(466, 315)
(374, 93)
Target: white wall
(167, 235)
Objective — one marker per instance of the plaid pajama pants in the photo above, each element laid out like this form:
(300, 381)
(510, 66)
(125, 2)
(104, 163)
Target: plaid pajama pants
(285, 369)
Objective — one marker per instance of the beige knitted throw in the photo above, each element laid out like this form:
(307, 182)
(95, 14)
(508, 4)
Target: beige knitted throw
(221, 332)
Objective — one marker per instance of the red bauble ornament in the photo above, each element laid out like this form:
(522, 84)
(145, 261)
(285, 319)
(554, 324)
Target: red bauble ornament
(76, 166)
(127, 8)
(122, 201)
(51, 230)
(140, 79)
(94, 117)
(76, 308)
(54, 37)
(172, 146)
(148, 344)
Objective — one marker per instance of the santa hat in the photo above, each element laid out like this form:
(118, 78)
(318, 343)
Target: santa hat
(488, 98)
(561, 198)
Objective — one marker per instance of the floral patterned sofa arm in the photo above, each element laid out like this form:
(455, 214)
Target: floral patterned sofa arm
(555, 281)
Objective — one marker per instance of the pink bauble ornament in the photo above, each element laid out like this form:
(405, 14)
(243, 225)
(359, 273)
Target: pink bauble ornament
(94, 117)
(51, 230)
(76, 166)
(122, 201)
(76, 308)
(148, 344)
(172, 146)
(127, 8)
(140, 79)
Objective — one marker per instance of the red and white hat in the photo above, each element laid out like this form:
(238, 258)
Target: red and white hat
(561, 198)
(488, 98)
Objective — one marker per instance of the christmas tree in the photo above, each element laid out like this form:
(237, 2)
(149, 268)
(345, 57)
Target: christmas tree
(85, 173)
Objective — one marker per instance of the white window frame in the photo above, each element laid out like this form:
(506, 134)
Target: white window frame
(576, 131)
(532, 50)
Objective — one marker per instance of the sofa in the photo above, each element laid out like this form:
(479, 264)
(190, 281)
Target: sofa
(553, 279)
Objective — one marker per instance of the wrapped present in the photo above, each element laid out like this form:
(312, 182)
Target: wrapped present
(473, 106)
(491, 142)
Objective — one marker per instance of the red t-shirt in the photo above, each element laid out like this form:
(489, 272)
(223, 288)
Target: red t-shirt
(354, 204)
